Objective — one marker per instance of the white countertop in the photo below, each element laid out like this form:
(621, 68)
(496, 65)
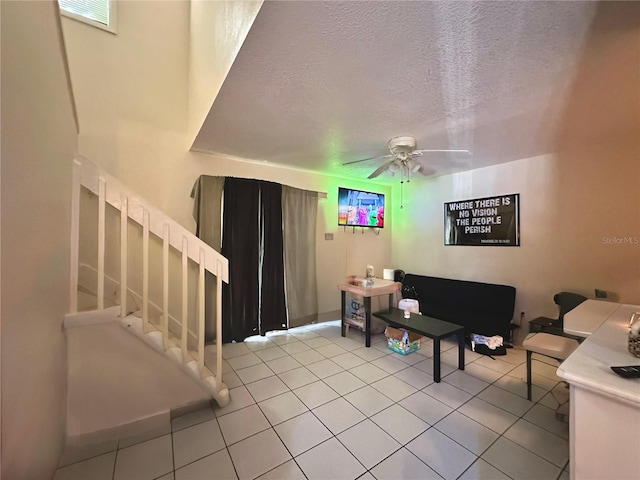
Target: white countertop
(587, 317)
(589, 365)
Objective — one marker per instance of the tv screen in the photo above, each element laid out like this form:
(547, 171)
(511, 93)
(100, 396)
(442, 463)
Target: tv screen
(360, 209)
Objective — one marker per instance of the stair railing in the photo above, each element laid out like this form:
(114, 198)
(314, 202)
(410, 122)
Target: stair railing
(153, 221)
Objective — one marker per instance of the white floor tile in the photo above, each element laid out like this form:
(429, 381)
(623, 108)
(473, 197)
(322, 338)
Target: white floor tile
(288, 470)
(425, 407)
(368, 400)
(495, 364)
(368, 443)
(97, 468)
(466, 382)
(324, 368)
(304, 334)
(258, 454)
(271, 353)
(146, 460)
(518, 386)
(255, 373)
(331, 350)
(329, 460)
(301, 433)
(266, 388)
(217, 466)
(338, 415)
(401, 424)
(506, 400)
(389, 363)
(348, 360)
(308, 356)
(466, 432)
(231, 350)
(483, 373)
(192, 418)
(549, 446)
(297, 377)
(415, 377)
(193, 443)
(315, 394)
(344, 382)
(243, 361)
(281, 408)
(240, 424)
(283, 364)
(482, 470)
(231, 379)
(447, 394)
(518, 462)
(258, 342)
(404, 464)
(441, 453)
(488, 415)
(283, 339)
(546, 418)
(369, 354)
(317, 342)
(374, 383)
(295, 347)
(394, 388)
(369, 373)
(239, 399)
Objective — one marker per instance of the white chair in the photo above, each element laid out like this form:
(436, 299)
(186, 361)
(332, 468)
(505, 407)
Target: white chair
(553, 346)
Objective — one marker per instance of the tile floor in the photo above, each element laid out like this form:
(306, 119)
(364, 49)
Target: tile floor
(309, 403)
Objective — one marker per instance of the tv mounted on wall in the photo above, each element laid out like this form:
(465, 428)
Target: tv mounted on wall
(357, 208)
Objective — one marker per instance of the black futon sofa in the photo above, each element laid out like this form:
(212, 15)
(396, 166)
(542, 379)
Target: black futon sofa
(482, 308)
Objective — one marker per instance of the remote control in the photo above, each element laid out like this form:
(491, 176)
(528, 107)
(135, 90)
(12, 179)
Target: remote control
(631, 371)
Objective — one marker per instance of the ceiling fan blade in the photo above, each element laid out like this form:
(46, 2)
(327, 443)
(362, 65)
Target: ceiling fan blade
(381, 169)
(441, 151)
(367, 159)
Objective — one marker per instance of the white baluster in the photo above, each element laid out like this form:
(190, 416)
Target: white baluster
(102, 190)
(124, 244)
(165, 285)
(219, 323)
(201, 312)
(145, 270)
(75, 237)
(185, 291)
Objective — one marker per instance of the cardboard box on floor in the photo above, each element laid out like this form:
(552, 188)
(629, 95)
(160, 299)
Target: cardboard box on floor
(402, 341)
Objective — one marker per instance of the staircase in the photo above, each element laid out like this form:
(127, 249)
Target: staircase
(168, 335)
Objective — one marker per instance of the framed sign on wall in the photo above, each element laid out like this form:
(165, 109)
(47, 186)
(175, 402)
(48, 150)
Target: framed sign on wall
(489, 221)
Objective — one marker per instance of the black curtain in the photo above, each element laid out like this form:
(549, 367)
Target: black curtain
(254, 300)
(241, 246)
(273, 314)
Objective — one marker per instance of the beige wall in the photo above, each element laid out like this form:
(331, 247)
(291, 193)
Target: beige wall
(38, 144)
(574, 203)
(136, 128)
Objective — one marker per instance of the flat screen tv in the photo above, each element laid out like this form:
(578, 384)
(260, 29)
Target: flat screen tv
(357, 208)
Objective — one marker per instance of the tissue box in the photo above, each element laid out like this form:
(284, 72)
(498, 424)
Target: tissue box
(401, 341)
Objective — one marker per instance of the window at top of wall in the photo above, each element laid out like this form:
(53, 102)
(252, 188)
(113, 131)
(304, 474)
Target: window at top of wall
(99, 13)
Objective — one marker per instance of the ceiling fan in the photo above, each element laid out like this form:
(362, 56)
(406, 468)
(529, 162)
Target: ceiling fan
(403, 158)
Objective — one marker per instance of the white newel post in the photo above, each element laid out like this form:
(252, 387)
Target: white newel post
(102, 192)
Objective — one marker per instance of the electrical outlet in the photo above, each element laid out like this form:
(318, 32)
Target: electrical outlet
(600, 293)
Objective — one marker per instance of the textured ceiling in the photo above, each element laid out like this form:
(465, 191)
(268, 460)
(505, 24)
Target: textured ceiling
(317, 84)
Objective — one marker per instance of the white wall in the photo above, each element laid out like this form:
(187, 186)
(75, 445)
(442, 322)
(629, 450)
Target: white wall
(136, 128)
(38, 144)
(573, 202)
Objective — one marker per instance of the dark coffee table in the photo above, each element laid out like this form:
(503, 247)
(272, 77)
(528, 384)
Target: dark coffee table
(429, 327)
